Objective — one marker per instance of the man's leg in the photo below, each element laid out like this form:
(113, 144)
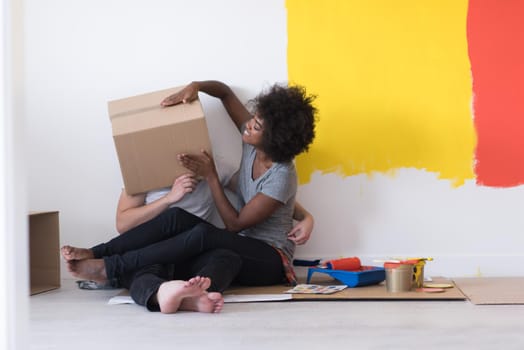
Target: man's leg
(168, 224)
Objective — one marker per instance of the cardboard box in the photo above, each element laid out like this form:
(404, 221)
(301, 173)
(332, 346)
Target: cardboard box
(44, 251)
(148, 138)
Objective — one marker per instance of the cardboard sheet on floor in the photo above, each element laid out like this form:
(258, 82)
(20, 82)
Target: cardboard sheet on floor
(278, 293)
(123, 297)
(492, 290)
(374, 292)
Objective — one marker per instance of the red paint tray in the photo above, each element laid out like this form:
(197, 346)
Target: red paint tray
(366, 276)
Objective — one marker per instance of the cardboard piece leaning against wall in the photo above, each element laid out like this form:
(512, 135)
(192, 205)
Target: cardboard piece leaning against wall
(44, 251)
(148, 138)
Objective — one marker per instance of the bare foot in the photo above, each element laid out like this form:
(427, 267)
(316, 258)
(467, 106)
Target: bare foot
(89, 269)
(171, 294)
(207, 302)
(72, 253)
(203, 282)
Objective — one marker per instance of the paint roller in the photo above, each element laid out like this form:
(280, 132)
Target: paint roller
(346, 264)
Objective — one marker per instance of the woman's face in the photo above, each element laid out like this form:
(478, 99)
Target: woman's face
(253, 132)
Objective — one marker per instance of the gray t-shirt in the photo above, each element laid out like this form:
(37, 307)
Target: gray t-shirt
(199, 202)
(278, 182)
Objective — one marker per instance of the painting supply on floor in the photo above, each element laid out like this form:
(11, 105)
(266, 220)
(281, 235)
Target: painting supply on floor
(365, 276)
(418, 274)
(438, 285)
(430, 290)
(399, 276)
(346, 264)
(418, 271)
(305, 262)
(418, 268)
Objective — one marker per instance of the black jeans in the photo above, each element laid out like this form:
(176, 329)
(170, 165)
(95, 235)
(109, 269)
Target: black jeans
(220, 265)
(178, 237)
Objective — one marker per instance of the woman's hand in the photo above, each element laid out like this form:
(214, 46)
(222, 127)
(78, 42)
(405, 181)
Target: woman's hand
(187, 94)
(183, 184)
(200, 164)
(301, 232)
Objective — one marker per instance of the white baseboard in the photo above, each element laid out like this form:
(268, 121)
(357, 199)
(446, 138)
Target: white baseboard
(458, 266)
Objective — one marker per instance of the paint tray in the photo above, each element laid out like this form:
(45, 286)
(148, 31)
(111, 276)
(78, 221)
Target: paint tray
(367, 275)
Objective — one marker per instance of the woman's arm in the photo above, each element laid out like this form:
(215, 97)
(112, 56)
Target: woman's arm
(236, 110)
(258, 209)
(132, 210)
(301, 232)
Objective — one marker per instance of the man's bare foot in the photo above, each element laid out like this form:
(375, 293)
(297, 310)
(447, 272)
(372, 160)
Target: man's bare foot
(72, 253)
(208, 302)
(89, 269)
(171, 294)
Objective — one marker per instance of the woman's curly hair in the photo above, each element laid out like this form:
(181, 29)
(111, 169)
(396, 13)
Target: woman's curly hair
(289, 121)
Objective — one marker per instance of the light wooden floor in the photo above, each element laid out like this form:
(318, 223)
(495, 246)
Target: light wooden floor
(74, 319)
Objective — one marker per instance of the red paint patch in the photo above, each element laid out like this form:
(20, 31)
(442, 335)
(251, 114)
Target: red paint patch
(495, 31)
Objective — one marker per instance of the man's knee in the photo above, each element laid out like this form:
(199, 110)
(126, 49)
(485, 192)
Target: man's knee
(175, 214)
(176, 220)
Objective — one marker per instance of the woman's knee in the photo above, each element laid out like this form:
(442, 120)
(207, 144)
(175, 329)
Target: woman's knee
(223, 268)
(227, 256)
(204, 235)
(200, 231)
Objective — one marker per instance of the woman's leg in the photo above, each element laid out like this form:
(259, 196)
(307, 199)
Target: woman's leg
(151, 288)
(144, 283)
(168, 224)
(220, 265)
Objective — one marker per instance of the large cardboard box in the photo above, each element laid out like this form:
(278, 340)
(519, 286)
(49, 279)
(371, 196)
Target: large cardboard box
(148, 138)
(44, 251)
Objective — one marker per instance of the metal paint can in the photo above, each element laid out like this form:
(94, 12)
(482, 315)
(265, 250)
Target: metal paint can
(418, 274)
(399, 277)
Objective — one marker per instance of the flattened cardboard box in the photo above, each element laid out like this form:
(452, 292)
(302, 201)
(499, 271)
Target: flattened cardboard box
(148, 138)
(492, 290)
(371, 292)
(44, 253)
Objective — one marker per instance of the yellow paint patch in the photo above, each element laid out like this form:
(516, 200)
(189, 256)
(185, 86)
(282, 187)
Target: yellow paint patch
(393, 83)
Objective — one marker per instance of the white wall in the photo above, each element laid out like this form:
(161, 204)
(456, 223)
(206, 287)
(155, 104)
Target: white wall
(80, 54)
(14, 276)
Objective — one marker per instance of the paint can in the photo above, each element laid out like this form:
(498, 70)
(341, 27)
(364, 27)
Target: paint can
(418, 274)
(399, 277)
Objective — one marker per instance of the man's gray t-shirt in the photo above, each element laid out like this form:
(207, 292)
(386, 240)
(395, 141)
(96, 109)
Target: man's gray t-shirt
(278, 182)
(199, 202)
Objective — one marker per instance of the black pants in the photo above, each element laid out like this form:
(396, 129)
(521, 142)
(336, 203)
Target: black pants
(220, 265)
(180, 238)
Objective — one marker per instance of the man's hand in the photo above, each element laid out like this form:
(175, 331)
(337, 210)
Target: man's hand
(183, 184)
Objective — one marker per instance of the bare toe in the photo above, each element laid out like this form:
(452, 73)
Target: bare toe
(74, 253)
(218, 301)
(205, 283)
(193, 281)
(66, 252)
